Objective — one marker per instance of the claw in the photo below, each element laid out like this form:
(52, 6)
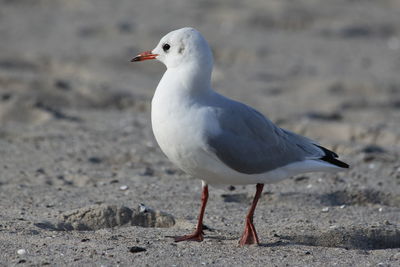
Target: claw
(249, 236)
(196, 236)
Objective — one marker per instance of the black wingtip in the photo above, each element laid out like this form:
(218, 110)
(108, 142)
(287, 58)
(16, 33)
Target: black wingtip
(331, 156)
(336, 162)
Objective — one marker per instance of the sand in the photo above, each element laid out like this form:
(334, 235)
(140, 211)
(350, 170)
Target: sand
(84, 183)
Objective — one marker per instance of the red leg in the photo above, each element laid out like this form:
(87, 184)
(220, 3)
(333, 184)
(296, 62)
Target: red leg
(197, 235)
(249, 235)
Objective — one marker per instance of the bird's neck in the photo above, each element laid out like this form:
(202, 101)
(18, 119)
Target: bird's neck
(189, 80)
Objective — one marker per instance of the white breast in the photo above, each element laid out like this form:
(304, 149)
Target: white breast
(178, 124)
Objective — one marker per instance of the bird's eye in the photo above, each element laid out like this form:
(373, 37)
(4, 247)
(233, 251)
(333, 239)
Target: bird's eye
(166, 47)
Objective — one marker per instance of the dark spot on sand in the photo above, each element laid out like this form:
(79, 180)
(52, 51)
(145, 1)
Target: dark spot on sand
(95, 160)
(136, 249)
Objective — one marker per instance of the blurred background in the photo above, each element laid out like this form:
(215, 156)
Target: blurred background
(284, 57)
(75, 121)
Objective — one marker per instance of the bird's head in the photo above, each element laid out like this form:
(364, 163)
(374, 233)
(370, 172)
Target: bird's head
(180, 48)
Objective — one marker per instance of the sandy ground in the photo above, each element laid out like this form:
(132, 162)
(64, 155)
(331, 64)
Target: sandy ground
(83, 182)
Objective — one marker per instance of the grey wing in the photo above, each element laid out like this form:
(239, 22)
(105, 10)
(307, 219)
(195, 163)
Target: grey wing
(250, 143)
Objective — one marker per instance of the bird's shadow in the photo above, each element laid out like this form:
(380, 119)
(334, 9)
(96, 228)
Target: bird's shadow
(351, 237)
(278, 243)
(359, 238)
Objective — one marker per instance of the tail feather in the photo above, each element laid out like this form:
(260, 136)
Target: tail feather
(331, 156)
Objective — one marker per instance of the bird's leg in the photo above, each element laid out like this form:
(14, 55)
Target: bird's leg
(249, 235)
(197, 235)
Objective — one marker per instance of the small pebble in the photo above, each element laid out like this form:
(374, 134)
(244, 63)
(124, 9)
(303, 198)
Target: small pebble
(136, 249)
(142, 208)
(309, 185)
(21, 251)
(95, 160)
(147, 172)
(170, 171)
(231, 188)
(343, 206)
(150, 144)
(380, 209)
(326, 209)
(371, 166)
(123, 187)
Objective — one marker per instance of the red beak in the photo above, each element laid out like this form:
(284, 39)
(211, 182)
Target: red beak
(144, 56)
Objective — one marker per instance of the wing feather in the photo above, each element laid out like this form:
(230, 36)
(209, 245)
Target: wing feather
(250, 143)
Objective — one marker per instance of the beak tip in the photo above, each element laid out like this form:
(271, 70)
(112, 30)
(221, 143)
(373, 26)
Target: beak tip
(135, 59)
(144, 56)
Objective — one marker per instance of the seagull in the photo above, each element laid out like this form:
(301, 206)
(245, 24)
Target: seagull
(217, 139)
